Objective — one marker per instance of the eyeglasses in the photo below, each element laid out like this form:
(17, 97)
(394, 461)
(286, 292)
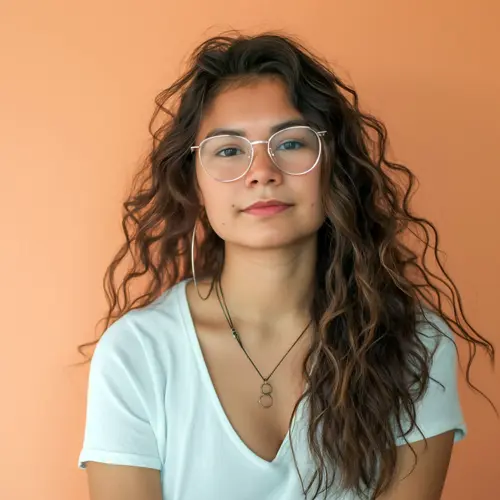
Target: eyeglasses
(294, 150)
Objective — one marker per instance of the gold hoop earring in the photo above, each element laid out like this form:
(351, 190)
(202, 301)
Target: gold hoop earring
(193, 241)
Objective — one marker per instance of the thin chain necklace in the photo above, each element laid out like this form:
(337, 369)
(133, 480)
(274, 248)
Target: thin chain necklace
(266, 389)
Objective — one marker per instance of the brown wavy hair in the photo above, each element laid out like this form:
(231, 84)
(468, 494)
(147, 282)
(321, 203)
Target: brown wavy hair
(367, 362)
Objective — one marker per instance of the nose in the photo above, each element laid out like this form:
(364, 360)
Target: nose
(263, 171)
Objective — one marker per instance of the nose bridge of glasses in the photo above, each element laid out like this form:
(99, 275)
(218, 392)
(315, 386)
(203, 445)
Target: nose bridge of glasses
(266, 143)
(254, 143)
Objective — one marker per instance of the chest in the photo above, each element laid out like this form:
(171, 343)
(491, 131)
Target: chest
(257, 406)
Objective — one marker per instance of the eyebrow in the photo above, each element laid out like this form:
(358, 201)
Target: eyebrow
(275, 128)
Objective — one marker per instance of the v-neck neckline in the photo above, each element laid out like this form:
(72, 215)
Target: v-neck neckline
(190, 328)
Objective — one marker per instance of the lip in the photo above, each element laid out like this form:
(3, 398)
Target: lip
(267, 207)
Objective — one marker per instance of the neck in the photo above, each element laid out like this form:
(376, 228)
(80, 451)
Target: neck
(263, 288)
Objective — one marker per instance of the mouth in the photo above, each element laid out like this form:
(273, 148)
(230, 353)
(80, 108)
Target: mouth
(268, 207)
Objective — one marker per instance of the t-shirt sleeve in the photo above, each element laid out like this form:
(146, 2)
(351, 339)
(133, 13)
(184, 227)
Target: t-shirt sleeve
(120, 402)
(439, 410)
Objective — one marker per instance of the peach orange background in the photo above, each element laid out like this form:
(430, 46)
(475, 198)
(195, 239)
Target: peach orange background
(76, 91)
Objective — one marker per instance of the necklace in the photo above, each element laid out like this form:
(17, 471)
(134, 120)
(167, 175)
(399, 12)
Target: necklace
(266, 389)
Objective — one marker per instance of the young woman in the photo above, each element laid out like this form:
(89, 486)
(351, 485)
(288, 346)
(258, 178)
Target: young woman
(290, 341)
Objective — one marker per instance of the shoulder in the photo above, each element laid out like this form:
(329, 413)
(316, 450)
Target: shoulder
(436, 335)
(138, 359)
(147, 334)
(439, 409)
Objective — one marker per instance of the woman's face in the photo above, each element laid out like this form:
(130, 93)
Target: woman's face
(255, 109)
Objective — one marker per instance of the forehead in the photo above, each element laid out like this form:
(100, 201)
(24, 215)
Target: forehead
(254, 107)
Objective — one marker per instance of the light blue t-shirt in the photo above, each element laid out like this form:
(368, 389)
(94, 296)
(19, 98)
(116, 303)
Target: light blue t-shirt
(151, 403)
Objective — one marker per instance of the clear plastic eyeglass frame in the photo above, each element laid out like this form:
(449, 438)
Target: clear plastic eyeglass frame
(319, 135)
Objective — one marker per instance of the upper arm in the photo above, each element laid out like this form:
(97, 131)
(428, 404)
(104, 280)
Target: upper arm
(426, 479)
(123, 437)
(121, 482)
(440, 419)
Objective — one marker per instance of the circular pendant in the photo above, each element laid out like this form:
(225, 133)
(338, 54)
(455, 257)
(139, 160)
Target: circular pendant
(266, 388)
(266, 400)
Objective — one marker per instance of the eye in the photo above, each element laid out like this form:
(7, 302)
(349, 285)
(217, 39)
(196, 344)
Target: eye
(289, 145)
(227, 152)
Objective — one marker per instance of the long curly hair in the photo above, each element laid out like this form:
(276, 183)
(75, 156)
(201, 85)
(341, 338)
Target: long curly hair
(367, 362)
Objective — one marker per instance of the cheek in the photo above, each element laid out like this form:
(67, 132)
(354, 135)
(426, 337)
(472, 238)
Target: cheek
(216, 200)
(219, 213)
(310, 189)
(312, 198)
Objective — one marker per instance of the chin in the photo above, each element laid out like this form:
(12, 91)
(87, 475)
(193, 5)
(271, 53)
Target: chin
(271, 235)
(265, 240)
